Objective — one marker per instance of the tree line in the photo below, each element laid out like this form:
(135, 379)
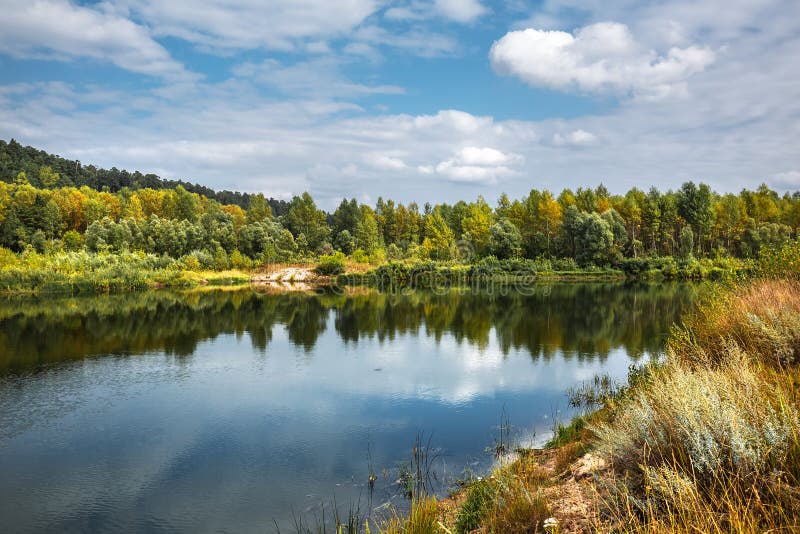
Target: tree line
(47, 171)
(590, 225)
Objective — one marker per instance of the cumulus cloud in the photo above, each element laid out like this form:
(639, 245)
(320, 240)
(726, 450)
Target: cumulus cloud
(57, 29)
(479, 165)
(601, 57)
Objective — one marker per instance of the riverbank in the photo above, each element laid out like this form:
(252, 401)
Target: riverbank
(708, 441)
(83, 272)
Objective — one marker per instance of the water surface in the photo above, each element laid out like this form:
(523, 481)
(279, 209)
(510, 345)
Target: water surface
(233, 411)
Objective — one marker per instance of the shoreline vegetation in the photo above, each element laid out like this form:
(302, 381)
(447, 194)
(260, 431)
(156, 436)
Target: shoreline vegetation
(71, 227)
(83, 272)
(707, 440)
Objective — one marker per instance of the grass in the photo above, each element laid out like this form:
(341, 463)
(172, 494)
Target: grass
(712, 442)
(510, 500)
(422, 519)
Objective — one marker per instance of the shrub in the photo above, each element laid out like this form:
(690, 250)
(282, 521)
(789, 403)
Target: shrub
(392, 275)
(331, 265)
(781, 262)
(359, 256)
(722, 437)
(240, 261)
(763, 319)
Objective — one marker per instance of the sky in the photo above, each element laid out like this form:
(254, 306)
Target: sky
(414, 100)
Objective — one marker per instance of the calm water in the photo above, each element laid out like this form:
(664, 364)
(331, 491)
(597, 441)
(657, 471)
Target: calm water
(232, 411)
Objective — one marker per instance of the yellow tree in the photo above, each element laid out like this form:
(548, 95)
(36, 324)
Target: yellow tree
(113, 207)
(70, 203)
(549, 215)
(476, 225)
(134, 209)
(237, 214)
(152, 201)
(439, 239)
(47, 177)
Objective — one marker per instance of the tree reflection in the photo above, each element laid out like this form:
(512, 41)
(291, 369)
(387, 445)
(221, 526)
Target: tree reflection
(582, 321)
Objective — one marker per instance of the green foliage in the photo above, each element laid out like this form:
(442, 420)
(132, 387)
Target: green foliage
(475, 506)
(686, 243)
(594, 240)
(439, 238)
(304, 219)
(331, 265)
(43, 198)
(505, 240)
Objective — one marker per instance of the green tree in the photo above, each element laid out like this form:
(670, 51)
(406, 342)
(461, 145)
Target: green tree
(259, 209)
(694, 206)
(439, 240)
(686, 243)
(477, 225)
(594, 240)
(367, 236)
(304, 218)
(505, 240)
(345, 242)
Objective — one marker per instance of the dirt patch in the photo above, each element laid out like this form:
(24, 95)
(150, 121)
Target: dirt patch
(289, 279)
(570, 493)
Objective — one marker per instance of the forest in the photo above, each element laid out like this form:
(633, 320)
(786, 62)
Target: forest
(50, 205)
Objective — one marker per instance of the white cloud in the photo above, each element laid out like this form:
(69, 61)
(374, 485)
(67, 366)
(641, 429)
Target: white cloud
(736, 127)
(787, 180)
(601, 57)
(57, 29)
(417, 41)
(385, 161)
(463, 11)
(479, 165)
(315, 77)
(487, 156)
(222, 25)
(575, 138)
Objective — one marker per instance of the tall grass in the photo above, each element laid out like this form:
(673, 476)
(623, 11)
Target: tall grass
(762, 319)
(712, 442)
(511, 500)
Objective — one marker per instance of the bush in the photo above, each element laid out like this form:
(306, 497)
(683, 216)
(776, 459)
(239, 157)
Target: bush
(781, 262)
(696, 435)
(359, 256)
(763, 319)
(392, 275)
(331, 265)
(710, 442)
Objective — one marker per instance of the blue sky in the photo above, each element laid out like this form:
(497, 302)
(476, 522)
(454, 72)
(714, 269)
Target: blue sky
(426, 100)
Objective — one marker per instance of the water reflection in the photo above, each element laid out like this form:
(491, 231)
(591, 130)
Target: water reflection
(583, 321)
(226, 410)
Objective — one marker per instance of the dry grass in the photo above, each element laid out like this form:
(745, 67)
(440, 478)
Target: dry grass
(762, 319)
(713, 443)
